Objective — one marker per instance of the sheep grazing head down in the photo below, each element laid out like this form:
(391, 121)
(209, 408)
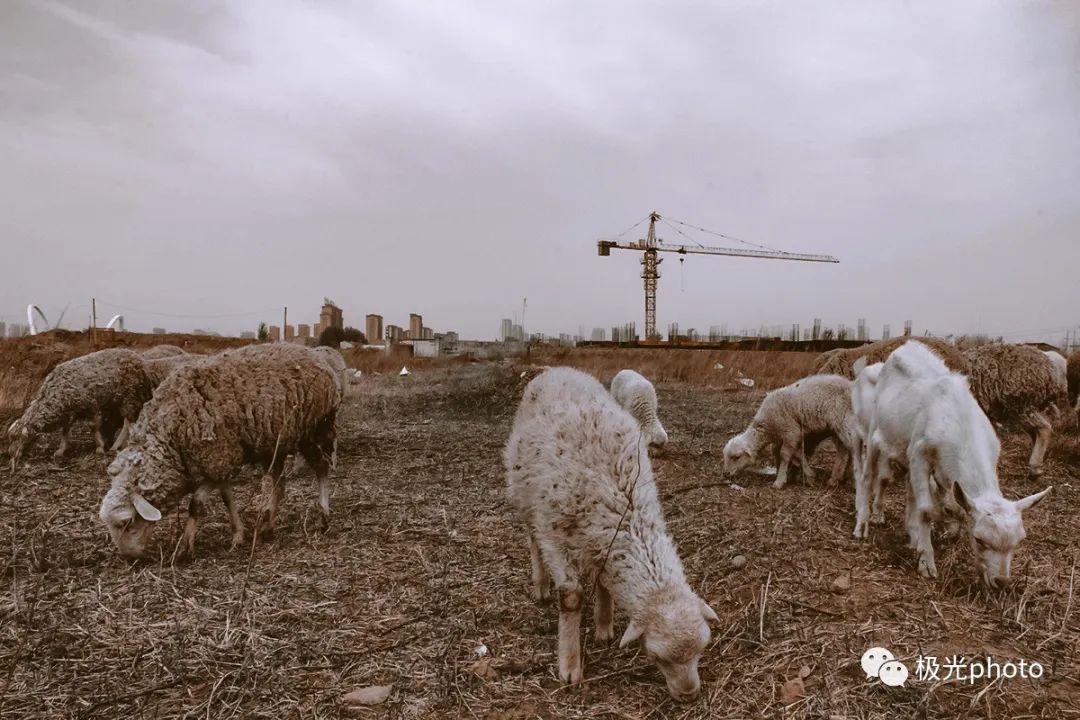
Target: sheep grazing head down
(737, 454)
(996, 526)
(674, 629)
(129, 517)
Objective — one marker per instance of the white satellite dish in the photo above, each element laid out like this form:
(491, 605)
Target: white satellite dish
(117, 323)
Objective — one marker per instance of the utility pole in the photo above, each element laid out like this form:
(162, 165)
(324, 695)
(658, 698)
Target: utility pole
(93, 321)
(284, 324)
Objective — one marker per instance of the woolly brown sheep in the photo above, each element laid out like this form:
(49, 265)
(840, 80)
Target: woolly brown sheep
(1017, 384)
(840, 362)
(107, 386)
(257, 404)
(157, 369)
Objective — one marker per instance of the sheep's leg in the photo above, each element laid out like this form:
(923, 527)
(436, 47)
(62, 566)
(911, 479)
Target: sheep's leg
(603, 614)
(196, 511)
(273, 492)
(1040, 429)
(122, 436)
(862, 503)
(843, 456)
(65, 437)
(320, 462)
(787, 450)
(922, 514)
(99, 434)
(234, 515)
(809, 476)
(540, 579)
(570, 659)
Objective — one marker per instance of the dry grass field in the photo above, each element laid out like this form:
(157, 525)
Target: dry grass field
(423, 564)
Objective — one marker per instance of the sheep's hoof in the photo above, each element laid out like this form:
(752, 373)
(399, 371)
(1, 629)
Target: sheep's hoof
(1035, 472)
(571, 675)
(877, 518)
(324, 524)
(99, 451)
(58, 455)
(927, 568)
(778, 484)
(861, 530)
(542, 595)
(237, 539)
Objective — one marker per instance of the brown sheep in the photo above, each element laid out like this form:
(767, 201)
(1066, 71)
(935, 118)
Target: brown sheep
(1018, 384)
(257, 404)
(840, 362)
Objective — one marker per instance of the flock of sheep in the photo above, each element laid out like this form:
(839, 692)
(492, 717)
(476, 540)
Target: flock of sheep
(579, 477)
(189, 423)
(578, 471)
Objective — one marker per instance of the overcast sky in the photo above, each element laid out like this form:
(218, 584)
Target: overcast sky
(451, 158)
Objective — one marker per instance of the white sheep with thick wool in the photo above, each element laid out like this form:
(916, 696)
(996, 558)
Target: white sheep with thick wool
(579, 477)
(637, 395)
(926, 418)
(793, 417)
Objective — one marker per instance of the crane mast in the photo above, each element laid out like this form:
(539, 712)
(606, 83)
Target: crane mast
(650, 246)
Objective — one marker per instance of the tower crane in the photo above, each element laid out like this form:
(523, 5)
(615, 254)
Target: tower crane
(650, 245)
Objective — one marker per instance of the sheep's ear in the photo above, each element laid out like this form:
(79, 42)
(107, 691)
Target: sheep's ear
(1030, 501)
(859, 365)
(961, 498)
(633, 632)
(144, 508)
(707, 612)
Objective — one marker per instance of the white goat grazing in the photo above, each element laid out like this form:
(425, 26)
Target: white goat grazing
(637, 395)
(579, 477)
(926, 417)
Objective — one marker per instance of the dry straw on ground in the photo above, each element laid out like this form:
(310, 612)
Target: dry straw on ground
(423, 565)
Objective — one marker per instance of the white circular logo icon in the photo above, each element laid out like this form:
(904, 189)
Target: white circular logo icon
(893, 673)
(873, 659)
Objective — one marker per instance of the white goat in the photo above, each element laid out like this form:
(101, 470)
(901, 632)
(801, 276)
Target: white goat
(926, 418)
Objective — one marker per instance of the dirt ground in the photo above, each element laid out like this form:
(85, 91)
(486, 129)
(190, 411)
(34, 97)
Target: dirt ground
(423, 565)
